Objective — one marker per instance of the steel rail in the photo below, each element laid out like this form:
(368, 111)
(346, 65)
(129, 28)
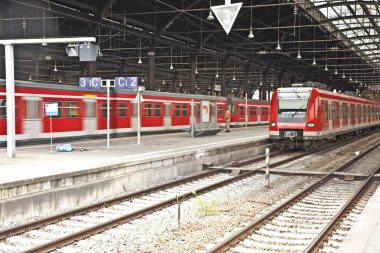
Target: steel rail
(315, 244)
(249, 229)
(123, 219)
(49, 220)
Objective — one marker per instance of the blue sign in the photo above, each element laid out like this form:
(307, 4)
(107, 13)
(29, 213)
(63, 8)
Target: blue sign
(90, 83)
(130, 82)
(84, 83)
(96, 83)
(120, 83)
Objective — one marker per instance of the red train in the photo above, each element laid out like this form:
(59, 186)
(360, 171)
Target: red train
(305, 116)
(84, 112)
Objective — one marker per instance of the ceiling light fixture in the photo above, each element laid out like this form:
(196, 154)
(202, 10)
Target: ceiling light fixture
(140, 61)
(278, 28)
(250, 35)
(314, 62)
(55, 66)
(171, 57)
(299, 55)
(217, 63)
(234, 78)
(210, 17)
(196, 65)
(299, 39)
(336, 71)
(326, 68)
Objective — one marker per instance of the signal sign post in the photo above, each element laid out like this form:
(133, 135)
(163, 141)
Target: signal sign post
(119, 83)
(226, 14)
(139, 98)
(51, 109)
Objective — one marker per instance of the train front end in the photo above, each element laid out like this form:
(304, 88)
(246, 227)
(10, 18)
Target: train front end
(289, 117)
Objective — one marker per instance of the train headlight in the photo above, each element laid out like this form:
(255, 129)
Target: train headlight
(273, 124)
(311, 124)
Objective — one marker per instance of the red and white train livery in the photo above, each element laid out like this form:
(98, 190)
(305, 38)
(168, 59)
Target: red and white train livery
(306, 116)
(84, 112)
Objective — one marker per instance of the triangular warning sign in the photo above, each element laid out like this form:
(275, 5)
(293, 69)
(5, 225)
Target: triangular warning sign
(226, 14)
(136, 100)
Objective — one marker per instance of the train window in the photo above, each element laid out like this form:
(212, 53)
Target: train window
(325, 111)
(71, 108)
(3, 108)
(122, 109)
(184, 110)
(147, 109)
(32, 111)
(177, 110)
(157, 110)
(103, 108)
(253, 111)
(344, 111)
(152, 110)
(90, 109)
(241, 110)
(264, 111)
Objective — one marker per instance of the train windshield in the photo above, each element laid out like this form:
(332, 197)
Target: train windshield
(292, 106)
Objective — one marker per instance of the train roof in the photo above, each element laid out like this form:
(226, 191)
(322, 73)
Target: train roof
(327, 93)
(75, 87)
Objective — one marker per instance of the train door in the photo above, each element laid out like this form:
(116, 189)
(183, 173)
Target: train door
(252, 114)
(325, 116)
(180, 114)
(168, 122)
(32, 123)
(220, 113)
(90, 123)
(264, 114)
(152, 114)
(353, 115)
(344, 115)
(330, 114)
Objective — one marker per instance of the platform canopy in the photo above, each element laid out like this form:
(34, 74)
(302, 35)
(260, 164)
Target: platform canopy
(181, 46)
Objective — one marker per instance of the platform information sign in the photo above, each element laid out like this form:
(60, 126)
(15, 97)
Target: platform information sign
(226, 14)
(129, 82)
(90, 83)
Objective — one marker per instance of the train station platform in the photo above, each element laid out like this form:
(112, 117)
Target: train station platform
(364, 236)
(38, 180)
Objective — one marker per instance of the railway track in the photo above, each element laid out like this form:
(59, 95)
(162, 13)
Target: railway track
(304, 221)
(54, 232)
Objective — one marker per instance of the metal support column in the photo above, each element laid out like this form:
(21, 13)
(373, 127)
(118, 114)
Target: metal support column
(2, 63)
(264, 87)
(36, 71)
(174, 79)
(152, 70)
(10, 93)
(223, 78)
(193, 75)
(92, 68)
(246, 78)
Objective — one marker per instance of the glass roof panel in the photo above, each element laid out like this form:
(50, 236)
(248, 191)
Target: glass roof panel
(366, 35)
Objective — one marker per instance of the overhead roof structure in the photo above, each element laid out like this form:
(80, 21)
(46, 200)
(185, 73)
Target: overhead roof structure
(178, 46)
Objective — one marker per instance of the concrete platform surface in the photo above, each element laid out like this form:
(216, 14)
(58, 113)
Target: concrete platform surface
(38, 161)
(364, 236)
